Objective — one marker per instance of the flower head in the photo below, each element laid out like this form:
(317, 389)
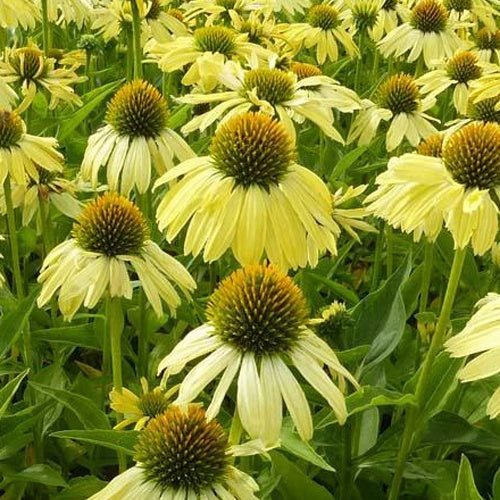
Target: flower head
(110, 235)
(18, 12)
(480, 336)
(182, 454)
(135, 139)
(251, 196)
(257, 318)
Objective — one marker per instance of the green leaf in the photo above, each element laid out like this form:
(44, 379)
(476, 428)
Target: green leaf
(12, 324)
(448, 428)
(116, 440)
(341, 291)
(179, 117)
(80, 488)
(84, 408)
(8, 390)
(294, 484)
(380, 318)
(296, 446)
(496, 486)
(346, 161)
(39, 473)
(77, 335)
(465, 489)
(92, 100)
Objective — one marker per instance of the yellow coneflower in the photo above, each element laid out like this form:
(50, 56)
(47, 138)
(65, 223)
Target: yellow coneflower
(480, 336)
(29, 67)
(258, 26)
(182, 455)
(459, 73)
(257, 320)
(50, 187)
(472, 11)
(429, 33)
(455, 188)
(157, 19)
(21, 153)
(7, 96)
(389, 16)
(487, 87)
(249, 196)
(69, 11)
(205, 52)
(326, 28)
(399, 100)
(225, 9)
(290, 6)
(18, 12)
(139, 410)
(109, 235)
(277, 93)
(487, 45)
(135, 139)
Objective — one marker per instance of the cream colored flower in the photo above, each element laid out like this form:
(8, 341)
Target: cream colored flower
(257, 323)
(181, 455)
(22, 153)
(249, 196)
(326, 28)
(7, 96)
(69, 11)
(419, 193)
(487, 45)
(290, 6)
(389, 17)
(480, 336)
(429, 33)
(487, 87)
(134, 140)
(29, 67)
(399, 100)
(215, 11)
(109, 237)
(473, 12)
(14, 13)
(139, 410)
(459, 72)
(277, 93)
(205, 52)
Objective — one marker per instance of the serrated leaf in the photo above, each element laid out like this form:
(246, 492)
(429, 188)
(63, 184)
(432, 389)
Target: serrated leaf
(465, 489)
(84, 408)
(123, 441)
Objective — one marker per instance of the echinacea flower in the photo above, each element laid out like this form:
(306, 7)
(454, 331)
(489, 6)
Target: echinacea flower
(157, 20)
(224, 10)
(389, 16)
(259, 26)
(257, 322)
(21, 153)
(454, 188)
(7, 96)
(181, 455)
(365, 13)
(69, 11)
(14, 13)
(139, 410)
(459, 72)
(50, 187)
(487, 87)
(32, 70)
(205, 52)
(399, 100)
(277, 93)
(249, 196)
(472, 11)
(290, 6)
(134, 140)
(480, 337)
(110, 236)
(325, 29)
(429, 33)
(487, 45)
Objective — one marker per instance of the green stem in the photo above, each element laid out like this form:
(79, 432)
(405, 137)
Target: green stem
(14, 248)
(346, 477)
(136, 31)
(359, 62)
(130, 55)
(423, 379)
(115, 326)
(236, 430)
(142, 334)
(426, 276)
(45, 27)
(377, 265)
(45, 225)
(390, 247)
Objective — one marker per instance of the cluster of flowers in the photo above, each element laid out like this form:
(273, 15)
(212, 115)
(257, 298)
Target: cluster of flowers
(245, 78)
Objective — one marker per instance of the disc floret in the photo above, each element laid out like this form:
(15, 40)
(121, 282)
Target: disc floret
(432, 146)
(258, 309)
(153, 403)
(487, 40)
(215, 39)
(11, 128)
(273, 85)
(399, 93)
(137, 109)
(429, 16)
(29, 63)
(180, 450)
(458, 5)
(254, 149)
(472, 155)
(111, 225)
(305, 70)
(463, 67)
(325, 17)
(485, 110)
